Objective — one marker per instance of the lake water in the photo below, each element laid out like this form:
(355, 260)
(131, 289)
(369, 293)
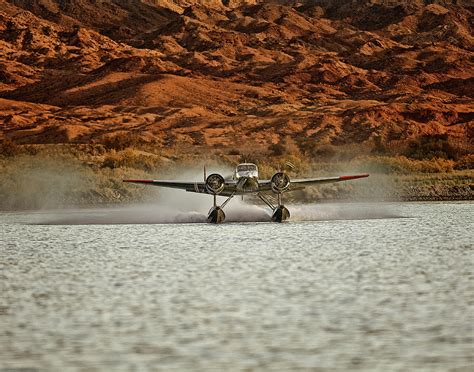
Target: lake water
(341, 287)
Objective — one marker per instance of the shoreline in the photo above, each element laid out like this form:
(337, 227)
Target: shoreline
(78, 177)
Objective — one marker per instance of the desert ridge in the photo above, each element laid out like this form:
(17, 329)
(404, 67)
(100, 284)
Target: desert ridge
(202, 74)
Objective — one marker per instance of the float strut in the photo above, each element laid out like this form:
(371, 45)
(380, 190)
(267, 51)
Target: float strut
(266, 201)
(227, 200)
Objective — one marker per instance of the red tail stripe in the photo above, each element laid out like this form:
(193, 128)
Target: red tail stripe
(345, 178)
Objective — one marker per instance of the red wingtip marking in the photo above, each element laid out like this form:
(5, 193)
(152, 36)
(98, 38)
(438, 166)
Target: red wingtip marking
(346, 178)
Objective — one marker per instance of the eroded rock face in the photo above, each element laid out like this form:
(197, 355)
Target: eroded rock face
(208, 71)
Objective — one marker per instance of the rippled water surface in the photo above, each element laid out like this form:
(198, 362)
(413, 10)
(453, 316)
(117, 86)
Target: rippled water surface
(369, 287)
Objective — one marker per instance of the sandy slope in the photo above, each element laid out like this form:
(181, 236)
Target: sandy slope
(225, 73)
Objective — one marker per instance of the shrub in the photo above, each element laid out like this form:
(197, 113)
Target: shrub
(286, 146)
(434, 146)
(276, 149)
(321, 151)
(129, 159)
(379, 146)
(234, 152)
(8, 148)
(466, 162)
(122, 141)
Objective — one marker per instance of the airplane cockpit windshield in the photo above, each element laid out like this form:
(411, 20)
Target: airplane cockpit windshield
(246, 170)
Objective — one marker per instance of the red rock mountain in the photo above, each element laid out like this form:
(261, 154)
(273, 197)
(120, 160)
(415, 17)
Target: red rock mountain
(231, 73)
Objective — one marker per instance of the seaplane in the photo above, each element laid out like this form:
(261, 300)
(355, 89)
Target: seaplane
(245, 181)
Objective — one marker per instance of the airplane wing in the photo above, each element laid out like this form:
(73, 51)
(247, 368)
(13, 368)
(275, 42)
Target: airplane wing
(303, 182)
(298, 184)
(230, 186)
(198, 187)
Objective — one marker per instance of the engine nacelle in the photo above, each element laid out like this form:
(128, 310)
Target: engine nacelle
(280, 182)
(215, 184)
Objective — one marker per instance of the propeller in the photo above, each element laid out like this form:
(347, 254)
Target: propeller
(290, 166)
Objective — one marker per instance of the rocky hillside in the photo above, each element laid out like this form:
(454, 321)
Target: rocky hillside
(228, 74)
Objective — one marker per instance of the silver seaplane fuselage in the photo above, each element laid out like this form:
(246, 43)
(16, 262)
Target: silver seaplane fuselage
(246, 176)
